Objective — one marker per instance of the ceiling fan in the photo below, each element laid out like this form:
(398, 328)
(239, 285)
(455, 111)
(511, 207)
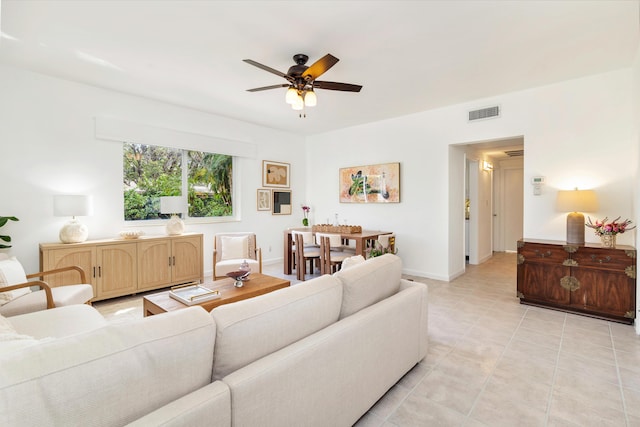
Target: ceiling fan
(302, 80)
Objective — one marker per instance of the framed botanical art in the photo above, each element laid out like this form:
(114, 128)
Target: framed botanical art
(370, 184)
(275, 174)
(281, 202)
(264, 199)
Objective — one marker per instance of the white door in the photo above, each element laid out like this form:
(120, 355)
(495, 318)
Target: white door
(513, 207)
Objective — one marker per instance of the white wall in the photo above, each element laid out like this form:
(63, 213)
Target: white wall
(48, 147)
(577, 133)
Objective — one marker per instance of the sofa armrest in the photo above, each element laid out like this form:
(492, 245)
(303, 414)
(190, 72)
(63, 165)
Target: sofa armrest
(423, 324)
(209, 406)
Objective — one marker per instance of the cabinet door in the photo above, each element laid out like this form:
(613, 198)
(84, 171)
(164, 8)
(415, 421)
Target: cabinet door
(541, 282)
(83, 256)
(116, 270)
(187, 259)
(154, 264)
(602, 292)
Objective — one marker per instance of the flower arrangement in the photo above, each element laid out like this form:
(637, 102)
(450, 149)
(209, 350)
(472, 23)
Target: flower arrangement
(603, 228)
(305, 210)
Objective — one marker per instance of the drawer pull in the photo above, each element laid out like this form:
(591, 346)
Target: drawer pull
(542, 254)
(600, 260)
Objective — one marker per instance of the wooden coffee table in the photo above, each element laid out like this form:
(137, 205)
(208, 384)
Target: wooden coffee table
(258, 284)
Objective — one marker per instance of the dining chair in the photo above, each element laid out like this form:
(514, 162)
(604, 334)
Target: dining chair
(331, 259)
(304, 253)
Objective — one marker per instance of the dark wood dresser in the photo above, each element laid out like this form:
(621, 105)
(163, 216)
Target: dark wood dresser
(585, 279)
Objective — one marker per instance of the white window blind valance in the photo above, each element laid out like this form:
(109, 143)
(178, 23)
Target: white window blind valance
(122, 131)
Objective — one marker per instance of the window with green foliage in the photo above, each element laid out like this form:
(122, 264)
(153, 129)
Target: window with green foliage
(150, 172)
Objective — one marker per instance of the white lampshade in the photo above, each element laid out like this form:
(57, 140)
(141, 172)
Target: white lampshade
(73, 205)
(172, 205)
(291, 95)
(310, 99)
(577, 201)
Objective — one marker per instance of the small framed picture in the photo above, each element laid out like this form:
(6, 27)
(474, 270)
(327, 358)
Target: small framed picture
(281, 202)
(264, 199)
(275, 174)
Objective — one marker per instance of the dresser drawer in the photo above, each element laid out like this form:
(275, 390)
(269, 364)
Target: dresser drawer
(609, 259)
(541, 253)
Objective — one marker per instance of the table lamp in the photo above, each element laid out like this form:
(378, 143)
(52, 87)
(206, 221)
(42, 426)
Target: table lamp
(575, 202)
(173, 205)
(72, 205)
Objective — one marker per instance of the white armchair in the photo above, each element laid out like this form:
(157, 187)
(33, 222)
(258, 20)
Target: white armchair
(17, 298)
(231, 249)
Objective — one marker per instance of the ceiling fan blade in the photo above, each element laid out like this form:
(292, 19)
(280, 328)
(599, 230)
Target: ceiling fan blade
(320, 67)
(346, 87)
(269, 69)
(258, 89)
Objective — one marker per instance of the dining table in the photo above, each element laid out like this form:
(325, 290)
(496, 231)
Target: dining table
(361, 241)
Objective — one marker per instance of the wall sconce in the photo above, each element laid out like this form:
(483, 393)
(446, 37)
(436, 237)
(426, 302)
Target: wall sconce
(73, 205)
(575, 202)
(173, 205)
(487, 166)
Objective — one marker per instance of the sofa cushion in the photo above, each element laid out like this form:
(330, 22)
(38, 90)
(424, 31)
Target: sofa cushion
(351, 261)
(11, 273)
(10, 339)
(250, 329)
(109, 376)
(369, 282)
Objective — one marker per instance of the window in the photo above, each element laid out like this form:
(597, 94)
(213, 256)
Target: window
(150, 172)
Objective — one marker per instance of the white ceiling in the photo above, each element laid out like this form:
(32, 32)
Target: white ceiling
(410, 56)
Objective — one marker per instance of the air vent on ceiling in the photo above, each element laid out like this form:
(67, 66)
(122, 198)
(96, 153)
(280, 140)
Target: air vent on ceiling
(484, 113)
(514, 153)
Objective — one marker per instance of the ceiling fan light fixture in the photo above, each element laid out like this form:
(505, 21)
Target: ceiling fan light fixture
(310, 98)
(291, 95)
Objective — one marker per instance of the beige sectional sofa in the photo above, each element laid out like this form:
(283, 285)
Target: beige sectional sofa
(316, 354)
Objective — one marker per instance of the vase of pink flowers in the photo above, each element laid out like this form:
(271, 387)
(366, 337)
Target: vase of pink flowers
(609, 230)
(305, 211)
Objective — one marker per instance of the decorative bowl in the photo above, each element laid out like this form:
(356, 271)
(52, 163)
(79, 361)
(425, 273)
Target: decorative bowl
(131, 234)
(239, 276)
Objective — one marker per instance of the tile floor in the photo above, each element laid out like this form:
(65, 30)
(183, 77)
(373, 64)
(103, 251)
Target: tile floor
(494, 362)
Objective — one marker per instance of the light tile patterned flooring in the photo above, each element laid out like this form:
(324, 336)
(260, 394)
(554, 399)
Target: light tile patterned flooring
(494, 362)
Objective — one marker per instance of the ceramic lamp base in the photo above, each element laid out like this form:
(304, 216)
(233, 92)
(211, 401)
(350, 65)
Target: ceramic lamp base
(575, 228)
(175, 226)
(73, 232)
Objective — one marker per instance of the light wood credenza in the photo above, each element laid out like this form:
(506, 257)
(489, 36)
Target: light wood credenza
(117, 267)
